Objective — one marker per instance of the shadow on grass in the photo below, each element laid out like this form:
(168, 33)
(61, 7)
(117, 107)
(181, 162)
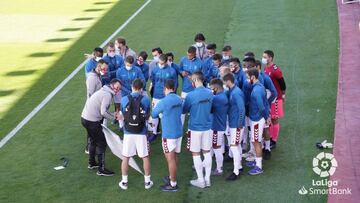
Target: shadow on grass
(42, 54)
(58, 40)
(4, 93)
(70, 29)
(20, 72)
(83, 19)
(66, 63)
(93, 10)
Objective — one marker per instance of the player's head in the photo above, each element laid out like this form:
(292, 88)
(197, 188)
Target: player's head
(211, 49)
(268, 57)
(110, 49)
(224, 69)
(252, 75)
(129, 60)
(120, 43)
(216, 85)
(101, 67)
(142, 58)
(234, 64)
(170, 58)
(156, 52)
(258, 65)
(162, 61)
(227, 52)
(137, 85)
(98, 53)
(197, 79)
(249, 54)
(199, 37)
(229, 80)
(248, 62)
(191, 53)
(216, 59)
(115, 85)
(169, 86)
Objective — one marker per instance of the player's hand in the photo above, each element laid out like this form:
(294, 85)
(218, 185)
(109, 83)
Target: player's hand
(119, 116)
(268, 121)
(89, 56)
(283, 98)
(184, 73)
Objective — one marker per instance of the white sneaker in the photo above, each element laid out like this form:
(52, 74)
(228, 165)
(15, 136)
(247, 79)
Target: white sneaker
(148, 185)
(197, 183)
(123, 185)
(207, 183)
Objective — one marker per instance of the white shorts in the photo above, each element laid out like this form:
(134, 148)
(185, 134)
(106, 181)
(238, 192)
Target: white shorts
(135, 144)
(256, 130)
(183, 95)
(247, 121)
(170, 145)
(236, 135)
(217, 138)
(199, 140)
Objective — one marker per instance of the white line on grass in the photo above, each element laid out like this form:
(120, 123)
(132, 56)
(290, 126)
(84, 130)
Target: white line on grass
(65, 81)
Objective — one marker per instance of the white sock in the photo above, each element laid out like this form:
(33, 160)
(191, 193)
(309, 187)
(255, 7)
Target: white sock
(236, 155)
(258, 161)
(198, 167)
(173, 183)
(147, 178)
(124, 179)
(208, 163)
(219, 157)
(155, 123)
(240, 152)
(267, 145)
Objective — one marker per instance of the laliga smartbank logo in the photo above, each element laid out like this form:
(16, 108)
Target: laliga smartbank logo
(324, 165)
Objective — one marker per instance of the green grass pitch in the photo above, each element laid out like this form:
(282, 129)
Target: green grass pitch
(303, 35)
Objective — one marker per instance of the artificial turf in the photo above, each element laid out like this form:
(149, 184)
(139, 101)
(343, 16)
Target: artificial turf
(304, 38)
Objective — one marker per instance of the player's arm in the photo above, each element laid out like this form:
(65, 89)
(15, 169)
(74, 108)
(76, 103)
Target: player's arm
(241, 106)
(270, 85)
(186, 106)
(90, 87)
(157, 110)
(104, 109)
(281, 81)
(260, 104)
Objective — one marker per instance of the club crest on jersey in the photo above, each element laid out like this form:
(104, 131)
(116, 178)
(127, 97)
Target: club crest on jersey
(133, 117)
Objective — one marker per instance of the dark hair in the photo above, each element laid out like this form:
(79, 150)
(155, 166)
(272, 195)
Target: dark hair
(229, 77)
(170, 54)
(249, 54)
(169, 84)
(143, 55)
(114, 80)
(157, 49)
(253, 72)
(129, 59)
(211, 46)
(137, 84)
(249, 59)
(121, 40)
(258, 63)
(199, 76)
(227, 48)
(217, 57)
(236, 60)
(98, 49)
(217, 82)
(200, 37)
(102, 61)
(191, 50)
(269, 53)
(163, 57)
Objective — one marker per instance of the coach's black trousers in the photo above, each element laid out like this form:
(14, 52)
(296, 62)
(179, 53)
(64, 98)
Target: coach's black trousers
(97, 145)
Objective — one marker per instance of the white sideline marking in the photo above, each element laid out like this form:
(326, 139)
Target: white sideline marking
(65, 81)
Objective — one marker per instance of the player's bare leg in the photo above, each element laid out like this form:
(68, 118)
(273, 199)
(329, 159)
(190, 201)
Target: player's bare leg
(146, 166)
(124, 172)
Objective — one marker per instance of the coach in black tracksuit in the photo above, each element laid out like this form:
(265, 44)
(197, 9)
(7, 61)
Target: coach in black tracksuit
(95, 110)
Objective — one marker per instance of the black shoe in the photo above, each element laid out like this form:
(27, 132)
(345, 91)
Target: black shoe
(241, 170)
(104, 172)
(232, 177)
(151, 137)
(93, 166)
(267, 154)
(169, 188)
(166, 180)
(272, 144)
